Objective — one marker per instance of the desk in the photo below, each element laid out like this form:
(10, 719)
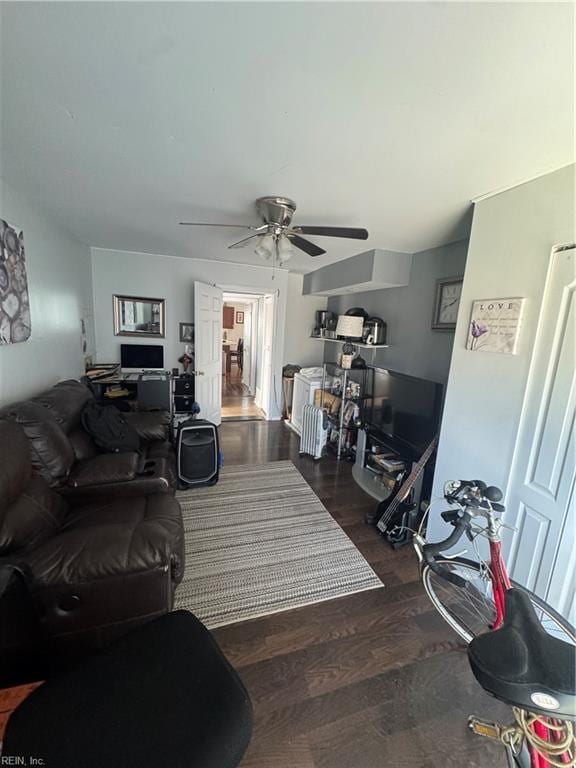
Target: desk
(150, 389)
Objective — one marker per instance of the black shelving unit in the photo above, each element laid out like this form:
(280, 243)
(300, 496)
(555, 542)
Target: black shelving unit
(343, 394)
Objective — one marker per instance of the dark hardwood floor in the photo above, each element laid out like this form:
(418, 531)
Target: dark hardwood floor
(366, 681)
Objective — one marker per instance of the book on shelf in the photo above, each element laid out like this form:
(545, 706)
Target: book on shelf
(103, 371)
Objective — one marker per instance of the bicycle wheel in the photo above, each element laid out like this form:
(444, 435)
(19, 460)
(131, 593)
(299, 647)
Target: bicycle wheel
(471, 612)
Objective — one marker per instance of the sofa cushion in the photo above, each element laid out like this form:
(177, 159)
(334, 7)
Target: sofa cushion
(104, 468)
(110, 538)
(160, 450)
(29, 510)
(65, 402)
(51, 452)
(35, 516)
(151, 426)
(82, 444)
(15, 467)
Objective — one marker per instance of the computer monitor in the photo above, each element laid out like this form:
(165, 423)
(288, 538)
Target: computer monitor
(135, 358)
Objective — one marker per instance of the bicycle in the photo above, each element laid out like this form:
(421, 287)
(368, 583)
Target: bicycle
(520, 649)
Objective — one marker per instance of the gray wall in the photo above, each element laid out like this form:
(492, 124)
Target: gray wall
(510, 247)
(415, 348)
(299, 348)
(60, 287)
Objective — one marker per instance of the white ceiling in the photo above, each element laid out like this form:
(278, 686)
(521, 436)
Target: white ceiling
(124, 118)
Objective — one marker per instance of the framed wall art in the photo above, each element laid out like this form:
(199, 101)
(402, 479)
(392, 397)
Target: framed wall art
(495, 325)
(239, 318)
(15, 325)
(186, 332)
(136, 316)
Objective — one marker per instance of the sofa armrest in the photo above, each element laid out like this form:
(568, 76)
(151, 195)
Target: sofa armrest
(103, 469)
(151, 426)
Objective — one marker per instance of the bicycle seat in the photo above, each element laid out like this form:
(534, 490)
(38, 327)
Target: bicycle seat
(523, 665)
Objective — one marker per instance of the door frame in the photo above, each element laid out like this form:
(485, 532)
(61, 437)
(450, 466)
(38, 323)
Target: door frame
(273, 408)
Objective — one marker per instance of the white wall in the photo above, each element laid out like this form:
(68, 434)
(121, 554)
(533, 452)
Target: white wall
(509, 253)
(59, 282)
(172, 278)
(299, 348)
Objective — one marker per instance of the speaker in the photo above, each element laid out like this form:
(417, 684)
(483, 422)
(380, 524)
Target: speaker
(183, 404)
(197, 453)
(184, 385)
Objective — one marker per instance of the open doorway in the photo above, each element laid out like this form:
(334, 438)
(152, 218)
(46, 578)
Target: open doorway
(242, 356)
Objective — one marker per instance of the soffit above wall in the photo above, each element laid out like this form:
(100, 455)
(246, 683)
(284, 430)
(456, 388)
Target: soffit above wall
(369, 271)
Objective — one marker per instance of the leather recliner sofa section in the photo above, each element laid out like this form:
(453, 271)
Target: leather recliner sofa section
(97, 567)
(64, 454)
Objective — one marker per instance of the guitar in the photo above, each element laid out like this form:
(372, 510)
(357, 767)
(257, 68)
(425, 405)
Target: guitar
(397, 516)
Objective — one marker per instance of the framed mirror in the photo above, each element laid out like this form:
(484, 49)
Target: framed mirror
(136, 316)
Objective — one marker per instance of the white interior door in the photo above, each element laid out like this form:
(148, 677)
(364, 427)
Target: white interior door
(208, 305)
(540, 500)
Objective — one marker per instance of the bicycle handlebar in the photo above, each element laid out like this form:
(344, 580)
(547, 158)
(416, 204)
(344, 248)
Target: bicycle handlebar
(469, 495)
(430, 550)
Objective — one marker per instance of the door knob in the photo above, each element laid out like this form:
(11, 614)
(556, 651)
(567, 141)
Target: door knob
(198, 373)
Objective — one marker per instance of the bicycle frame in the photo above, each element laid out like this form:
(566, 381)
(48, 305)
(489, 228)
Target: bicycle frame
(500, 585)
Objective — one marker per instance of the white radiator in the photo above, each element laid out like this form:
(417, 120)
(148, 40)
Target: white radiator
(314, 431)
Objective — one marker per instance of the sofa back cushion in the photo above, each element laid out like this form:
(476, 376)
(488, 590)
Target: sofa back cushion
(65, 403)
(15, 467)
(29, 510)
(50, 450)
(82, 443)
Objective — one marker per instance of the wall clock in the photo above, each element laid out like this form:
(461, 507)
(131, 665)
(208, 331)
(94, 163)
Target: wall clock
(447, 303)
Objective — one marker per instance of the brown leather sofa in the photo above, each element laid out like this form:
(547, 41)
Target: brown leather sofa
(65, 455)
(97, 567)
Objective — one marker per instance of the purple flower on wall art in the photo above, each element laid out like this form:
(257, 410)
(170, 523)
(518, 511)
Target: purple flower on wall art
(476, 331)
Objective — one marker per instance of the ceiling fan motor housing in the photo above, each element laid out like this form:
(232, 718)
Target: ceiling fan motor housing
(277, 211)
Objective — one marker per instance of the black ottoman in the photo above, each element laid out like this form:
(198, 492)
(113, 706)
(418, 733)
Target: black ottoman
(164, 695)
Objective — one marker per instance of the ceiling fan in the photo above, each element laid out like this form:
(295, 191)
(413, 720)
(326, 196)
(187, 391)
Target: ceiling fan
(276, 235)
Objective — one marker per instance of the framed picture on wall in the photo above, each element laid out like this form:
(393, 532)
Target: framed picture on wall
(14, 304)
(187, 332)
(495, 325)
(239, 318)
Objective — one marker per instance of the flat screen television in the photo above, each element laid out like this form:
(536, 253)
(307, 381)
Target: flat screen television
(405, 409)
(141, 357)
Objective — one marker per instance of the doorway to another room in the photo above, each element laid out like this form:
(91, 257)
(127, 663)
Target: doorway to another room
(241, 361)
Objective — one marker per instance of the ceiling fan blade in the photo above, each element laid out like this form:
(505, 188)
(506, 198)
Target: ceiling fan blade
(305, 245)
(352, 232)
(244, 242)
(206, 224)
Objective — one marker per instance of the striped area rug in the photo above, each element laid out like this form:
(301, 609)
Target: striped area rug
(261, 541)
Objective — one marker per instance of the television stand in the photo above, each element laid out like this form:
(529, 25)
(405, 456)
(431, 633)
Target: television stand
(370, 477)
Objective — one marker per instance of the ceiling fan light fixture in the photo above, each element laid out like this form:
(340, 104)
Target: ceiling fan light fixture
(285, 249)
(265, 247)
